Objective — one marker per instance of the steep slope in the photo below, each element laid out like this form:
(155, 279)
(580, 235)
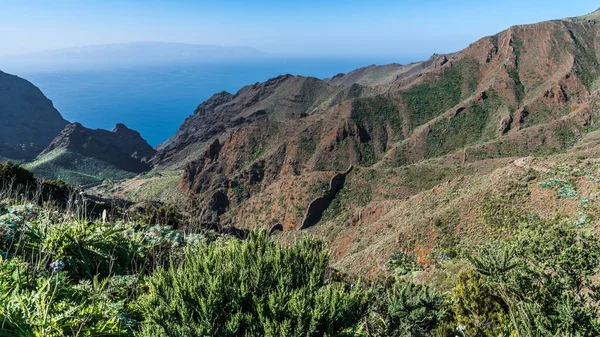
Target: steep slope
(280, 99)
(529, 90)
(29, 120)
(83, 156)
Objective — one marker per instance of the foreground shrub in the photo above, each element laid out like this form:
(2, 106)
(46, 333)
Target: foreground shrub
(477, 308)
(408, 309)
(12, 175)
(87, 248)
(44, 303)
(544, 277)
(250, 288)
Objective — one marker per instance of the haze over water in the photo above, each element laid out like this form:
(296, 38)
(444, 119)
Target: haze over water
(155, 100)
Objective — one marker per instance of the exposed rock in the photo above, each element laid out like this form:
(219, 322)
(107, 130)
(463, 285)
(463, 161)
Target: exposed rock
(29, 120)
(282, 98)
(365, 76)
(556, 94)
(277, 228)
(458, 111)
(318, 206)
(213, 150)
(519, 118)
(504, 125)
(441, 61)
(481, 96)
(278, 137)
(219, 202)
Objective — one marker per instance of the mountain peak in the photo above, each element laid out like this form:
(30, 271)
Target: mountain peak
(120, 127)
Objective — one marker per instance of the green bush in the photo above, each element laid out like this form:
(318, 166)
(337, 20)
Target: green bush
(64, 273)
(401, 264)
(408, 309)
(544, 278)
(87, 248)
(477, 308)
(250, 288)
(44, 303)
(435, 96)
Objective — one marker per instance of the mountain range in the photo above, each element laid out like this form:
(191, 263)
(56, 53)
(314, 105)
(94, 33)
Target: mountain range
(384, 158)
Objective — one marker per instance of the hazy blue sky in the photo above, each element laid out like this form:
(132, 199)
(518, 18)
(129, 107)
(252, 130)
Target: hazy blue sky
(308, 28)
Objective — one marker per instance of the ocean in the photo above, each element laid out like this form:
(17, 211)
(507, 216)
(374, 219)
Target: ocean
(155, 100)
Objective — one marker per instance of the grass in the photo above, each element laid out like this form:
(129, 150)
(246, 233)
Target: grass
(352, 196)
(517, 47)
(308, 145)
(131, 277)
(503, 208)
(75, 169)
(74, 274)
(66, 274)
(164, 186)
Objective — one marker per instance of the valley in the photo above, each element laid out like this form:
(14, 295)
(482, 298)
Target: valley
(450, 175)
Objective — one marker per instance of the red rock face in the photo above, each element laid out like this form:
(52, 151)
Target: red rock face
(556, 94)
(507, 91)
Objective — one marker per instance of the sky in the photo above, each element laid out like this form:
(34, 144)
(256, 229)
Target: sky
(307, 28)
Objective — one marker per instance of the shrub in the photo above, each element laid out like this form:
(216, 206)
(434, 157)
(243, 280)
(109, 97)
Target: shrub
(477, 308)
(401, 264)
(43, 303)
(408, 309)
(250, 288)
(11, 173)
(544, 278)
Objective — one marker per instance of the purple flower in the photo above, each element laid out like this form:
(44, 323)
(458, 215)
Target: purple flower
(57, 266)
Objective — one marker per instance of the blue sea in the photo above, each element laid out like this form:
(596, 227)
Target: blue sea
(155, 100)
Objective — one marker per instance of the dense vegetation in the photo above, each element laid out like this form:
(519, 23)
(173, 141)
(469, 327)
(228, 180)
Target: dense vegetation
(426, 101)
(377, 119)
(64, 272)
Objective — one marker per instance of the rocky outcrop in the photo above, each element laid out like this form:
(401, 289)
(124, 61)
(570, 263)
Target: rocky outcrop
(374, 75)
(318, 206)
(123, 148)
(28, 120)
(504, 125)
(556, 94)
(276, 228)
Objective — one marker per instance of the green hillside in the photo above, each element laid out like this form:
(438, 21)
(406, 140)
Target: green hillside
(74, 168)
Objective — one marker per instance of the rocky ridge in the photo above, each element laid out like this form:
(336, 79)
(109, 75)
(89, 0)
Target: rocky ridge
(122, 147)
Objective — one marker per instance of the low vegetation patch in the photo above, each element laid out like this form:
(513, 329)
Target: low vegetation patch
(434, 97)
